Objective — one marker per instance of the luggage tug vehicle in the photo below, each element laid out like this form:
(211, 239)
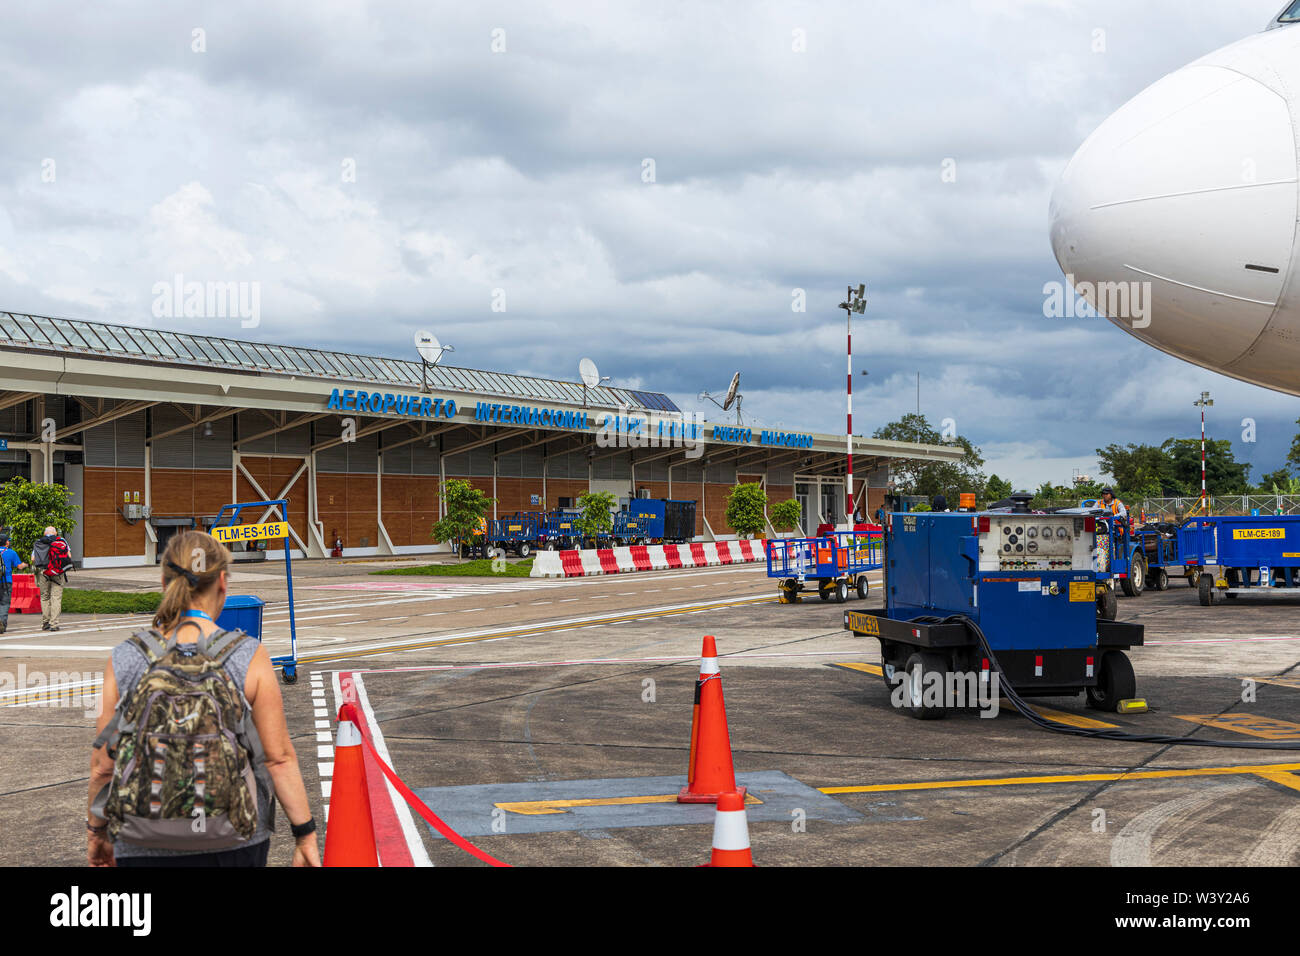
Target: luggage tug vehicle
(1011, 592)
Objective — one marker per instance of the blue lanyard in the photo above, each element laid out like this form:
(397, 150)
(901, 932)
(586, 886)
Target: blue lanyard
(196, 613)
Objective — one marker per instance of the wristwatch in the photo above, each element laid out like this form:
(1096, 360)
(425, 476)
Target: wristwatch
(300, 830)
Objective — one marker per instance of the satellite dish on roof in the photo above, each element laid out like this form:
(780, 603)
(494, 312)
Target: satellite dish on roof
(430, 349)
(731, 392)
(589, 373)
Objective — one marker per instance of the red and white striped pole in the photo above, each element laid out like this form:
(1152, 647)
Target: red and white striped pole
(1202, 402)
(848, 435)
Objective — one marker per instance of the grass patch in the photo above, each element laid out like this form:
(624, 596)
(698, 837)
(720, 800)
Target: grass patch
(478, 568)
(79, 601)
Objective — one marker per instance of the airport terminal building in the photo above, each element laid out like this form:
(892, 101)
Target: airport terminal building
(153, 431)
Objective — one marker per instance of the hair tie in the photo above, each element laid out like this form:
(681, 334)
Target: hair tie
(189, 576)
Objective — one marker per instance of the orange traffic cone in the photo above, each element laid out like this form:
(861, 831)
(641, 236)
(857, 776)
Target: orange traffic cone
(349, 831)
(709, 772)
(731, 832)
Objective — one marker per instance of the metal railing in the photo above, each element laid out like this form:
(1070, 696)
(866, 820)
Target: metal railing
(1220, 505)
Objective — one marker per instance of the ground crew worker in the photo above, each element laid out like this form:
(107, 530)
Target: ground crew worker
(1113, 504)
(9, 562)
(52, 558)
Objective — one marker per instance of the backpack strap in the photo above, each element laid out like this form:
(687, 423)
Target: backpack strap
(148, 643)
(222, 643)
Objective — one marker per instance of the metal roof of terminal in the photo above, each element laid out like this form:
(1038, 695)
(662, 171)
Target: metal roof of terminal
(101, 338)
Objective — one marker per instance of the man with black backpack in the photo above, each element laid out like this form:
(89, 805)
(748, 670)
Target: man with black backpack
(52, 559)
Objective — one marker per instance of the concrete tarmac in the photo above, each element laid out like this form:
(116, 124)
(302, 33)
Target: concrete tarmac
(483, 690)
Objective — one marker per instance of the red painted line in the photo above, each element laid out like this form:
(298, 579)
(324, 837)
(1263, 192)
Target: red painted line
(389, 838)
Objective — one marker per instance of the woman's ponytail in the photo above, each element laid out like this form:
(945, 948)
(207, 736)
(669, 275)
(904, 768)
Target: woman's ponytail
(191, 566)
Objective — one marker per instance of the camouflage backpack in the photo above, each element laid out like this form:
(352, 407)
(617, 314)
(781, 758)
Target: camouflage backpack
(184, 750)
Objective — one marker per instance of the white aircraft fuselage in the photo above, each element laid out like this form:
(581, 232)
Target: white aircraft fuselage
(1188, 195)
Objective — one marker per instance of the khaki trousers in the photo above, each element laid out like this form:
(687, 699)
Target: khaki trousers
(51, 597)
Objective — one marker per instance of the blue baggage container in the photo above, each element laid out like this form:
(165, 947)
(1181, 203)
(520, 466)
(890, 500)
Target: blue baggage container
(242, 612)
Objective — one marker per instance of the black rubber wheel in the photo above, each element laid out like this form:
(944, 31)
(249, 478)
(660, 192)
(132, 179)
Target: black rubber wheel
(1205, 587)
(841, 591)
(1136, 581)
(824, 593)
(863, 587)
(1115, 682)
(289, 676)
(1160, 579)
(916, 675)
(525, 549)
(1192, 578)
(1107, 604)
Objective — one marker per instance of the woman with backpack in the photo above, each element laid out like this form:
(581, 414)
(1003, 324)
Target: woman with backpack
(191, 740)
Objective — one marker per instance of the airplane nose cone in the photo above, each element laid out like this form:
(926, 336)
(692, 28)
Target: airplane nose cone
(1187, 197)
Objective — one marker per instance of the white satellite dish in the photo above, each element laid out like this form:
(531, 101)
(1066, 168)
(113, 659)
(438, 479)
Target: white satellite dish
(588, 372)
(430, 349)
(731, 392)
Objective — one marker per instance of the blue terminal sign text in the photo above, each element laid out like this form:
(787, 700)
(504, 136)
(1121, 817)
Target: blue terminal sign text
(419, 406)
(524, 415)
(746, 435)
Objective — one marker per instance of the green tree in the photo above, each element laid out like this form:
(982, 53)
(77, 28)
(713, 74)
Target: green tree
(930, 478)
(746, 509)
(997, 489)
(26, 509)
(1293, 456)
(1224, 475)
(597, 517)
(786, 515)
(464, 506)
(1275, 482)
(1140, 471)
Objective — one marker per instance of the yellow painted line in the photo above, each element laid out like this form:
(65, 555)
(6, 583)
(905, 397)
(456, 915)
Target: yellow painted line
(1268, 728)
(859, 666)
(1285, 779)
(340, 652)
(1060, 716)
(1064, 717)
(1279, 681)
(1261, 769)
(534, 808)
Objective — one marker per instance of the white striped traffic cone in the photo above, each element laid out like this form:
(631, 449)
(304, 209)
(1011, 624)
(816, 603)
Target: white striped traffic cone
(731, 832)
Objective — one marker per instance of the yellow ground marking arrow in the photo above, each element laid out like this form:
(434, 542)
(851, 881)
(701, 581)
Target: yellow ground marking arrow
(1269, 728)
(1060, 716)
(535, 808)
(1271, 771)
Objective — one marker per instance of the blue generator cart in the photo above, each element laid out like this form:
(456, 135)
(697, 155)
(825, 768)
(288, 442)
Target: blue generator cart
(1011, 593)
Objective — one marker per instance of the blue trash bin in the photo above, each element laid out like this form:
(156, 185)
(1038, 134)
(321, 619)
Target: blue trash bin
(242, 612)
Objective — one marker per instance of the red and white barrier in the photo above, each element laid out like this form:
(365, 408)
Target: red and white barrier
(654, 557)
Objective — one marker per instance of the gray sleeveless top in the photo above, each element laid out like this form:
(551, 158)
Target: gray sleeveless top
(129, 665)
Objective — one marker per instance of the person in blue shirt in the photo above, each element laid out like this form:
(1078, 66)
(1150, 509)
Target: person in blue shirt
(9, 562)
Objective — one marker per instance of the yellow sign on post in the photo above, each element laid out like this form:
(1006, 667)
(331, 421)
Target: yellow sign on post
(251, 532)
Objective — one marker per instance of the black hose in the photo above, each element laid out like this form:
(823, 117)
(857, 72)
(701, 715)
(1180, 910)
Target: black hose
(1101, 734)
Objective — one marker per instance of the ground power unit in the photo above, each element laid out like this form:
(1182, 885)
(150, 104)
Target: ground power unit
(1014, 593)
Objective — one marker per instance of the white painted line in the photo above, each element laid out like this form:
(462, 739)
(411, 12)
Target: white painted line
(322, 725)
(322, 712)
(325, 788)
(325, 769)
(419, 856)
(323, 752)
(323, 736)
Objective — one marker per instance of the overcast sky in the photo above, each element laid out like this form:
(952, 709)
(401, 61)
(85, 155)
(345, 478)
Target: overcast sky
(385, 167)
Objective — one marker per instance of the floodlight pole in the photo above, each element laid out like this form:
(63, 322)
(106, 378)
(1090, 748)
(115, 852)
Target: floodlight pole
(1202, 402)
(848, 306)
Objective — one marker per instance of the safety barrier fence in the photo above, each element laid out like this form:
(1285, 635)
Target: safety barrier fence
(646, 557)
